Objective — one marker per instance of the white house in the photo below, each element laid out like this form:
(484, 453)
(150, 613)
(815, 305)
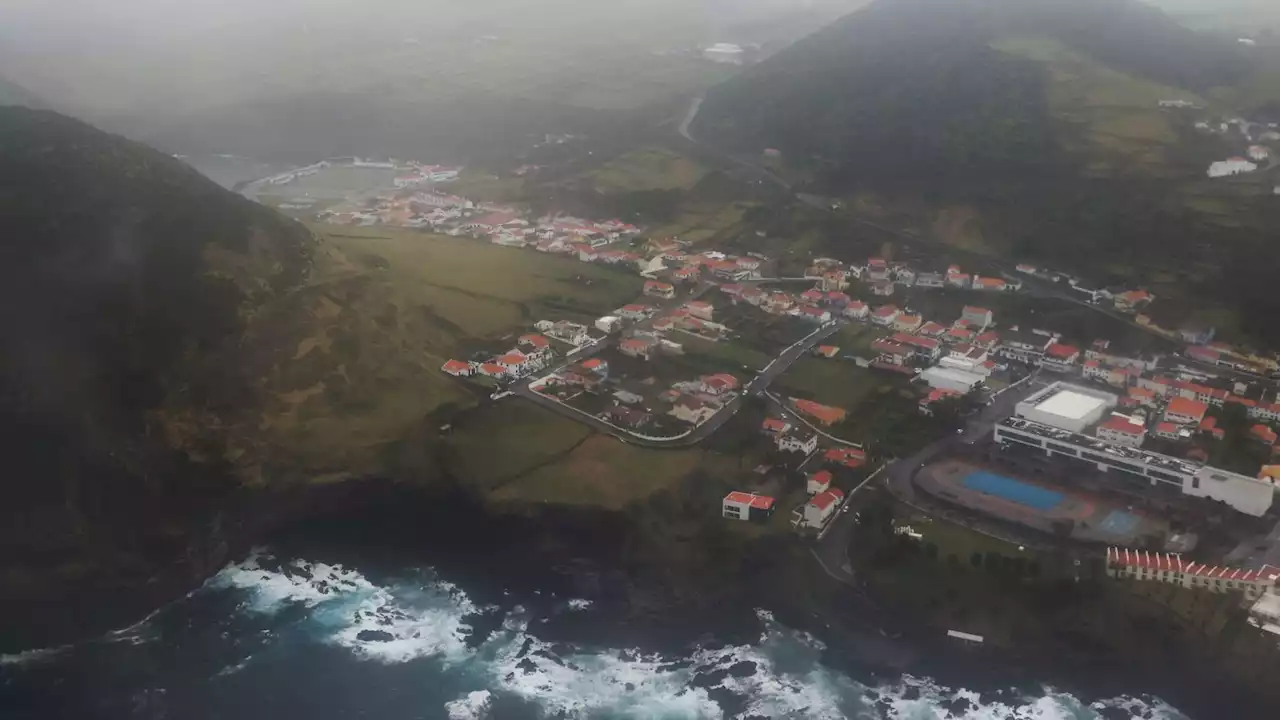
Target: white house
(1231, 166)
(857, 310)
(1259, 153)
(819, 482)
(1120, 430)
(746, 506)
(805, 443)
(819, 509)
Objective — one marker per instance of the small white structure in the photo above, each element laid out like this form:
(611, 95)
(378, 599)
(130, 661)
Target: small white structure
(608, 323)
(1231, 166)
(727, 53)
(1259, 153)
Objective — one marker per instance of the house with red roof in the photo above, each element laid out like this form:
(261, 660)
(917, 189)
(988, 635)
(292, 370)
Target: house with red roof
(690, 274)
(637, 348)
(1120, 430)
(458, 368)
(533, 342)
(1209, 426)
(907, 322)
(692, 410)
(718, 384)
(926, 348)
(1269, 412)
(819, 482)
(812, 296)
(659, 289)
(885, 315)
(813, 314)
(977, 317)
(959, 335)
(746, 506)
(931, 329)
(1200, 393)
(595, 365)
(493, 370)
(851, 458)
(1143, 396)
(1182, 411)
(826, 351)
(1060, 357)
(857, 310)
(892, 354)
(700, 309)
(1132, 300)
(935, 395)
(988, 339)
(1263, 434)
(989, 283)
(838, 300)
(774, 426)
(1171, 431)
(819, 509)
(634, 312)
(1171, 568)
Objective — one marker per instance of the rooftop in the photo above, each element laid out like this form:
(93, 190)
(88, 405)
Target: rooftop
(759, 502)
(1071, 404)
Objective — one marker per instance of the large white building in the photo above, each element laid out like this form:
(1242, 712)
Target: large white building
(724, 53)
(1067, 407)
(1249, 495)
(1232, 166)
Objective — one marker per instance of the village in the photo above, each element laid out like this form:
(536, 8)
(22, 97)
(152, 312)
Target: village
(717, 338)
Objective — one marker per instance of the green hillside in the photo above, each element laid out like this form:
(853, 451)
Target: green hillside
(1037, 119)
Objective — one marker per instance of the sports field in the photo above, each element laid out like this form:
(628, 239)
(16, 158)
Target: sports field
(1039, 503)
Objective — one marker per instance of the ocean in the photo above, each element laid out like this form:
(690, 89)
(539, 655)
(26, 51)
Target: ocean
(281, 636)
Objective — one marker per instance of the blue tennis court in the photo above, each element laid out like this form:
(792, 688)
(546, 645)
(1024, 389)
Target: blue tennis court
(1022, 493)
(1119, 522)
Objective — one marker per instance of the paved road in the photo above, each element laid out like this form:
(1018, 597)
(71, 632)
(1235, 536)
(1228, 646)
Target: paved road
(758, 384)
(832, 550)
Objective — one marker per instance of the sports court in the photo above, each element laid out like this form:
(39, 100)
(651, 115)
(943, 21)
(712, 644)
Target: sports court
(1037, 501)
(1022, 493)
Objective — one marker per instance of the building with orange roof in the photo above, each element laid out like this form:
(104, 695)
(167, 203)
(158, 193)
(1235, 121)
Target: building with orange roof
(536, 342)
(774, 426)
(493, 370)
(637, 348)
(819, 510)
(826, 351)
(819, 482)
(848, 457)
(458, 368)
(1182, 411)
(1171, 568)
(1263, 434)
(657, 288)
(739, 505)
(823, 414)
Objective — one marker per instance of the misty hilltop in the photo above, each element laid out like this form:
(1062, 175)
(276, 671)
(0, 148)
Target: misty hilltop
(1037, 121)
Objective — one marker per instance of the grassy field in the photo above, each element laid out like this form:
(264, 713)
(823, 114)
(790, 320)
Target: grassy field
(384, 309)
(495, 445)
(472, 289)
(482, 186)
(702, 222)
(1122, 124)
(650, 168)
(602, 472)
(831, 381)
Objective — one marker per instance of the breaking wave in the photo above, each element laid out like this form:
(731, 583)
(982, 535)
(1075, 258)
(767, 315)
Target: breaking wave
(426, 619)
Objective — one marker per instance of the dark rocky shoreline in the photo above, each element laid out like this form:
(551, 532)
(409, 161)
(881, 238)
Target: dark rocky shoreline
(533, 558)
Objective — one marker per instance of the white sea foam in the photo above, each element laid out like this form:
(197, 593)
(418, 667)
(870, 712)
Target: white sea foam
(780, 676)
(579, 604)
(472, 706)
(28, 657)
